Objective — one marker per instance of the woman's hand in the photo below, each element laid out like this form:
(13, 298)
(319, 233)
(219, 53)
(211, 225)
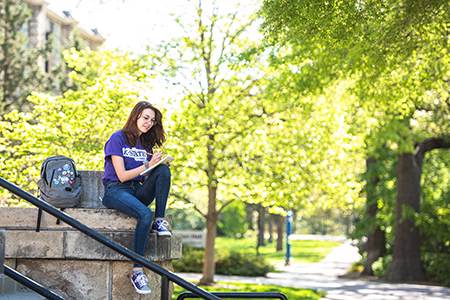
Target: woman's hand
(156, 158)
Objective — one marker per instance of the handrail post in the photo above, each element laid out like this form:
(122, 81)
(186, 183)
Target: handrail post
(164, 287)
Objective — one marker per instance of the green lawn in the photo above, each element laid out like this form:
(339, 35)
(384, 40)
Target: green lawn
(301, 251)
(290, 293)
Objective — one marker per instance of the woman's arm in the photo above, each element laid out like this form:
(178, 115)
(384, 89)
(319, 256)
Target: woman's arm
(125, 175)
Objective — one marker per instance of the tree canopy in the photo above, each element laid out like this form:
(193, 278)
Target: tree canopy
(76, 124)
(285, 122)
(20, 73)
(397, 54)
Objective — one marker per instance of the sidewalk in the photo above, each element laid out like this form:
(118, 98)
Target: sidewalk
(324, 276)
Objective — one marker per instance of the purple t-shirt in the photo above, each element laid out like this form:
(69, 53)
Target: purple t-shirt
(133, 157)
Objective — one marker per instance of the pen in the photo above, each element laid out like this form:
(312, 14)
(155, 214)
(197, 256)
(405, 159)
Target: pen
(149, 153)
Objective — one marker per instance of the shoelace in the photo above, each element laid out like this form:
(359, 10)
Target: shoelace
(162, 225)
(141, 279)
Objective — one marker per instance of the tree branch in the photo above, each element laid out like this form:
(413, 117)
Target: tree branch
(431, 144)
(225, 205)
(185, 199)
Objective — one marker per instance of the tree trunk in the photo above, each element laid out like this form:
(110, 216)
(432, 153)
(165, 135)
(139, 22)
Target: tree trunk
(280, 232)
(294, 224)
(261, 219)
(376, 248)
(270, 221)
(209, 265)
(376, 239)
(406, 264)
(249, 209)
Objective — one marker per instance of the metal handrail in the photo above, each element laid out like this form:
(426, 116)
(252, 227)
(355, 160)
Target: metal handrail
(166, 275)
(235, 295)
(195, 292)
(33, 285)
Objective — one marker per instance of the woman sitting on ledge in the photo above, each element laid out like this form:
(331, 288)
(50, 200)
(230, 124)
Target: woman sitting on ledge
(129, 152)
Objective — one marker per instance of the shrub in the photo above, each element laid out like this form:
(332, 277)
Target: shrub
(185, 219)
(232, 221)
(191, 261)
(358, 267)
(242, 264)
(437, 267)
(381, 266)
(227, 263)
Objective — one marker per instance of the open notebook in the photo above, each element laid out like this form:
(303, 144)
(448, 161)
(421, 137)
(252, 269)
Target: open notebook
(165, 160)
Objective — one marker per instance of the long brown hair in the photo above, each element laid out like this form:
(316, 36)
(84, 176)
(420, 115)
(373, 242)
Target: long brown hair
(154, 137)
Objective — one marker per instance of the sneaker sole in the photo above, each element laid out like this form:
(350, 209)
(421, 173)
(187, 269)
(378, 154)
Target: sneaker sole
(162, 233)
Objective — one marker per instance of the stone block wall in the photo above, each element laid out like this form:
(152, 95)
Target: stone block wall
(74, 265)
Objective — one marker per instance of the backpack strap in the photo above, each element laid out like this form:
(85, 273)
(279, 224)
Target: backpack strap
(43, 168)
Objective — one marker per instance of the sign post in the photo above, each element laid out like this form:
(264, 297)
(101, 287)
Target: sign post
(288, 233)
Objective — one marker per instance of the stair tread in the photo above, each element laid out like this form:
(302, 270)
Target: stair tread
(22, 296)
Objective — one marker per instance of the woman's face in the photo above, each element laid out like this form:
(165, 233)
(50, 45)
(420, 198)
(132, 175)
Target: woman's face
(145, 121)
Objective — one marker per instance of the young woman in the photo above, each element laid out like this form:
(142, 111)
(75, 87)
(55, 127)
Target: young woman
(128, 152)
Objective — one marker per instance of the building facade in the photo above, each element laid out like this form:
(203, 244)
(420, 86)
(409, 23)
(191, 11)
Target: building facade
(62, 27)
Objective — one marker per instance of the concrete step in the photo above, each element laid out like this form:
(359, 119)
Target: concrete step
(22, 296)
(61, 241)
(72, 264)
(11, 289)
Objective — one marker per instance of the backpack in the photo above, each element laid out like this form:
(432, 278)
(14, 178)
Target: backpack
(60, 183)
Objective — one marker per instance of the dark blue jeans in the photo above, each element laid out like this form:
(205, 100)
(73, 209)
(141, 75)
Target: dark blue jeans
(133, 198)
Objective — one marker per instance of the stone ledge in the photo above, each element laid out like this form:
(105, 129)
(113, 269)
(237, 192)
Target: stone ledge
(74, 265)
(63, 241)
(25, 218)
(80, 246)
(77, 245)
(45, 244)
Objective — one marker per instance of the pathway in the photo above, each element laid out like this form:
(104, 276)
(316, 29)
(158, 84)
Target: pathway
(325, 276)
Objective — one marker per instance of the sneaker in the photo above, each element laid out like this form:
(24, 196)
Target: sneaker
(159, 226)
(139, 281)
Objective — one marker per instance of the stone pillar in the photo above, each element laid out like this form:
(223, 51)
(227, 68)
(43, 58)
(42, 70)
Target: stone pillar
(33, 24)
(92, 189)
(36, 29)
(75, 266)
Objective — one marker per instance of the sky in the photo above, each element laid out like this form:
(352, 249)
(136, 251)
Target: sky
(130, 25)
